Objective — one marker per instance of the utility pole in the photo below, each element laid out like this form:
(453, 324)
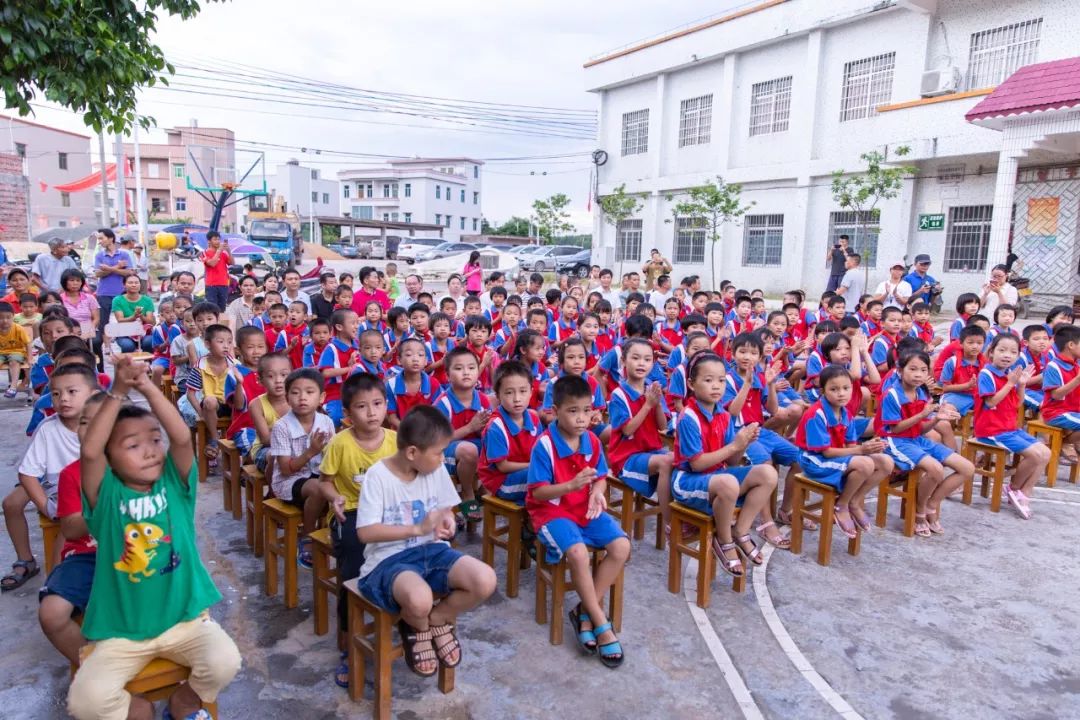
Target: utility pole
(105, 220)
(140, 202)
(121, 192)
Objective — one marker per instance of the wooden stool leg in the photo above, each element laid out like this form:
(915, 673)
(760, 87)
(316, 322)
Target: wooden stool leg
(200, 450)
(1056, 441)
(541, 584)
(882, 502)
(674, 565)
(558, 599)
(968, 453)
(259, 537)
(237, 497)
(999, 482)
(825, 533)
(911, 494)
(319, 597)
(356, 656)
(384, 643)
(270, 566)
(487, 541)
(292, 592)
(798, 500)
(513, 554)
(704, 571)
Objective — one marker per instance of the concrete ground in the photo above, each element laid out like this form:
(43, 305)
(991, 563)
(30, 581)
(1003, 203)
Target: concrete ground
(977, 623)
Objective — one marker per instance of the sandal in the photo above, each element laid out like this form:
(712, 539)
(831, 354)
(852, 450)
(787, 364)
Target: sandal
(753, 555)
(586, 638)
(935, 524)
(211, 451)
(1068, 456)
(303, 554)
(688, 532)
(341, 675)
(11, 392)
(611, 653)
(733, 567)
(784, 518)
(448, 647)
(862, 519)
(14, 579)
(410, 638)
(922, 528)
(778, 541)
(848, 528)
(471, 510)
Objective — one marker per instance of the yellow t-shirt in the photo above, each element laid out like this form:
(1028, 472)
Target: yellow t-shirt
(347, 462)
(271, 417)
(14, 341)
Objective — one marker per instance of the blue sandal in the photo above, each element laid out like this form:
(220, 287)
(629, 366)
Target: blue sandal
(341, 675)
(586, 638)
(611, 654)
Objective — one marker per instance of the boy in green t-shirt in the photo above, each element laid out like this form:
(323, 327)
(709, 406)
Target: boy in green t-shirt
(151, 593)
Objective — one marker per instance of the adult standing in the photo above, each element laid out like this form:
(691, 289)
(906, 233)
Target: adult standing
(920, 280)
(473, 274)
(292, 292)
(140, 262)
(414, 285)
(609, 293)
(895, 291)
(81, 305)
(654, 267)
(111, 266)
(322, 304)
(836, 261)
(216, 259)
(134, 306)
(661, 294)
(495, 279)
(242, 309)
(631, 284)
(997, 291)
(369, 291)
(49, 267)
(853, 283)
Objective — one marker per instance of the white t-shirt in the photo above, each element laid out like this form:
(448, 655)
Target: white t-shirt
(891, 290)
(301, 296)
(1009, 296)
(52, 448)
(612, 296)
(386, 499)
(289, 439)
(854, 284)
(657, 299)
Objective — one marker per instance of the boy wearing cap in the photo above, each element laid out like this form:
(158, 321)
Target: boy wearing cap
(48, 267)
(919, 280)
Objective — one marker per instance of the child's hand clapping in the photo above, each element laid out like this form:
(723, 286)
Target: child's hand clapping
(653, 394)
(597, 505)
(1025, 375)
(930, 409)
(748, 434)
(772, 372)
(479, 420)
(318, 441)
(583, 478)
(871, 446)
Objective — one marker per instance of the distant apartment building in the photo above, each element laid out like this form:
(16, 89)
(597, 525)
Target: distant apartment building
(51, 157)
(304, 190)
(437, 191)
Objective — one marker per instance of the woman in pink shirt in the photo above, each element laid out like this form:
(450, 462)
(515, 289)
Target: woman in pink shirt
(82, 306)
(473, 274)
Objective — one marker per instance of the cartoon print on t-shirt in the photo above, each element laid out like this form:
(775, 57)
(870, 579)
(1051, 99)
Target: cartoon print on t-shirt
(140, 548)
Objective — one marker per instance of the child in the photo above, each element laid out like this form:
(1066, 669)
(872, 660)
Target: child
(690, 324)
(346, 459)
(477, 332)
(267, 408)
(903, 419)
(405, 521)
(831, 452)
(967, 304)
(677, 392)
(398, 321)
(320, 338)
(338, 361)
(211, 382)
(920, 322)
(871, 325)
(296, 444)
(504, 338)
(178, 349)
(161, 338)
(14, 349)
(588, 331)
(509, 436)
(566, 326)
(420, 321)
(279, 317)
(1004, 317)
(638, 416)
(1061, 400)
(883, 346)
(706, 477)
(153, 601)
(566, 505)
(412, 386)
(251, 344)
(30, 316)
(531, 350)
(573, 361)
(959, 375)
(836, 308)
(741, 321)
(1035, 355)
(294, 335)
(468, 411)
(372, 348)
(373, 317)
(1001, 386)
(668, 331)
(54, 446)
(637, 326)
(440, 344)
(343, 297)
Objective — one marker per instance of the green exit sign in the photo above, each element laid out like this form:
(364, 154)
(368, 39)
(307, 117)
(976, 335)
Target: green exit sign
(932, 222)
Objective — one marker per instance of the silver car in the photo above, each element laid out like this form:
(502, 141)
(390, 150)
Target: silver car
(445, 249)
(411, 247)
(548, 258)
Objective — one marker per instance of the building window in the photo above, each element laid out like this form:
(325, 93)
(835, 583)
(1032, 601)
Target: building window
(476, 171)
(474, 224)
(867, 84)
(408, 189)
(386, 190)
(65, 199)
(393, 217)
(448, 219)
(968, 238)
(346, 190)
(408, 217)
(181, 204)
(862, 230)
(449, 197)
(463, 195)
(394, 190)
(689, 241)
(475, 198)
(770, 106)
(63, 223)
(62, 160)
(326, 198)
(314, 174)
(363, 212)
(20, 149)
(438, 192)
(763, 240)
(438, 218)
(635, 132)
(462, 222)
(314, 197)
(996, 54)
(386, 217)
(628, 241)
(695, 121)
(152, 170)
(155, 205)
(177, 170)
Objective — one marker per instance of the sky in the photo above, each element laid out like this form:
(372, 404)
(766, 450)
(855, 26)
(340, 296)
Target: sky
(501, 51)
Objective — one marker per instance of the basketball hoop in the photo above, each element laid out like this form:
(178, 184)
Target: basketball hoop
(228, 186)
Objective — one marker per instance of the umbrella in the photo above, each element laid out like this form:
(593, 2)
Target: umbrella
(75, 234)
(243, 247)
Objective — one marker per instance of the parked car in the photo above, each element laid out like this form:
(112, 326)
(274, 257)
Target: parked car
(345, 250)
(551, 257)
(387, 250)
(445, 249)
(411, 247)
(577, 264)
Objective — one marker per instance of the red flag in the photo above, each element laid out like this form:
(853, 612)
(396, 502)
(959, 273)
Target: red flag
(44, 185)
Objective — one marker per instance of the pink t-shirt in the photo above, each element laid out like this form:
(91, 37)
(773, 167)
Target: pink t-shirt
(474, 282)
(81, 309)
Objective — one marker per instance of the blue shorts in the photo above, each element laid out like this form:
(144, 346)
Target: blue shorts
(71, 580)
(161, 362)
(1033, 399)
(786, 397)
(244, 439)
(1016, 441)
(561, 534)
(335, 412)
(771, 447)
(907, 452)
(262, 456)
(1067, 421)
(450, 454)
(431, 561)
(514, 487)
(827, 471)
(635, 473)
(963, 402)
(692, 489)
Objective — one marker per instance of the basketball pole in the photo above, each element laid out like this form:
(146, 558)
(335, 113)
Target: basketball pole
(139, 201)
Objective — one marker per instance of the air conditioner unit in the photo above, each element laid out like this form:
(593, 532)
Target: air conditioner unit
(940, 82)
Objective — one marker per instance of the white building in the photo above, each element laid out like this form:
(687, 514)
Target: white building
(304, 190)
(439, 191)
(779, 95)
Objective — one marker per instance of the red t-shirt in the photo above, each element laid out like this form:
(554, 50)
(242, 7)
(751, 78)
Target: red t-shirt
(69, 502)
(217, 275)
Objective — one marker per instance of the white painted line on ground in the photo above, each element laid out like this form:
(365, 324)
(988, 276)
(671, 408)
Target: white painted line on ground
(1058, 490)
(734, 681)
(787, 644)
(1055, 502)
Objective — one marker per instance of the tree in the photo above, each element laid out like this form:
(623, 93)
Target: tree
(617, 207)
(516, 226)
(551, 217)
(88, 55)
(708, 207)
(486, 228)
(861, 193)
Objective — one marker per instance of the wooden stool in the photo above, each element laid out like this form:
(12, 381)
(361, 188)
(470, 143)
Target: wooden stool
(802, 508)
(229, 460)
(1055, 438)
(50, 534)
(632, 508)
(995, 473)
(506, 536)
(281, 535)
(200, 445)
(702, 552)
(254, 494)
(964, 426)
(557, 578)
(324, 579)
(373, 641)
(159, 680)
(904, 485)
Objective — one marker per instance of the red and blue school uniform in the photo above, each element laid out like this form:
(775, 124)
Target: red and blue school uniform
(996, 330)
(242, 429)
(815, 363)
(540, 382)
(561, 523)
(390, 343)
(290, 332)
(434, 355)
(677, 387)
(629, 454)
(1033, 394)
(699, 431)
(957, 326)
(882, 349)
(272, 334)
(560, 331)
(484, 378)
(1064, 413)
(909, 447)
(606, 340)
(821, 428)
(400, 401)
(736, 326)
(261, 321)
(924, 331)
(161, 338)
(378, 368)
(505, 440)
(504, 337)
(671, 333)
(770, 446)
(592, 354)
(378, 325)
(956, 371)
(598, 401)
(996, 425)
(460, 415)
(338, 355)
(611, 365)
(870, 327)
(312, 353)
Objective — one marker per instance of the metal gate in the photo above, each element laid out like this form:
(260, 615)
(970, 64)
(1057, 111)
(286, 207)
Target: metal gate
(1044, 233)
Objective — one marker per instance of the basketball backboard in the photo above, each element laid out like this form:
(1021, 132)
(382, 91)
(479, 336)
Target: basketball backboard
(218, 169)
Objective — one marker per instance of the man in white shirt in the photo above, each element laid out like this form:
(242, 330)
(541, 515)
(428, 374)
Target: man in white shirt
(895, 291)
(609, 293)
(414, 285)
(661, 293)
(293, 293)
